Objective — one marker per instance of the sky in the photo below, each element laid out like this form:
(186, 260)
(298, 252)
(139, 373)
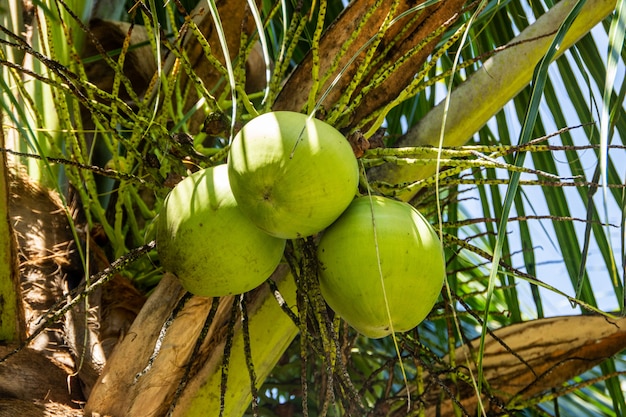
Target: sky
(550, 267)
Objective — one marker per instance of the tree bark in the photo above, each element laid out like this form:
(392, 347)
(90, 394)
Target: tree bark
(31, 376)
(66, 357)
(12, 407)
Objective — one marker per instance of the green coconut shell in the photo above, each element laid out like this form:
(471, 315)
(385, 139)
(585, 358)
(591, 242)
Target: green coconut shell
(208, 243)
(396, 248)
(291, 174)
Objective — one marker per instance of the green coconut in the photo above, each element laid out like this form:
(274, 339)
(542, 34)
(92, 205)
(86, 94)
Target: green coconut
(292, 175)
(396, 244)
(208, 243)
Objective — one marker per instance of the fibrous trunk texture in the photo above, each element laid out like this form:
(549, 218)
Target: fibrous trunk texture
(62, 362)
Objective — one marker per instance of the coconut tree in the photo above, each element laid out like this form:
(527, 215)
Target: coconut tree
(499, 121)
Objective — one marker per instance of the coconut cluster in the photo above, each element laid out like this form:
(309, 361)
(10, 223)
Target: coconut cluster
(223, 230)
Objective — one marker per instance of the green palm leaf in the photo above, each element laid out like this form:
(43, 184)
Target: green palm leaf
(516, 106)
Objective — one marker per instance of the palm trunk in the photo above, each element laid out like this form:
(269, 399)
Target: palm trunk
(11, 312)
